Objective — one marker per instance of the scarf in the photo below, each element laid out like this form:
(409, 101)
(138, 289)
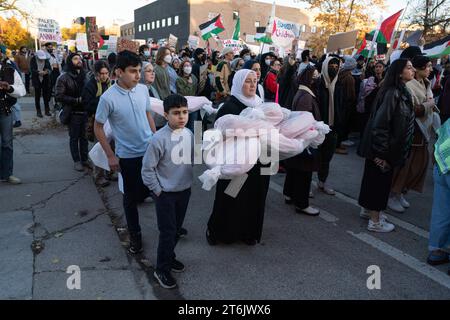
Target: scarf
(236, 89)
(422, 95)
(330, 85)
(305, 88)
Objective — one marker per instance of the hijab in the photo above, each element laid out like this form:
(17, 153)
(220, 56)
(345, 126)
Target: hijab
(236, 89)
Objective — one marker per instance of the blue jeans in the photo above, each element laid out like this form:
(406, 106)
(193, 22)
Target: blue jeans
(17, 116)
(440, 217)
(170, 211)
(6, 146)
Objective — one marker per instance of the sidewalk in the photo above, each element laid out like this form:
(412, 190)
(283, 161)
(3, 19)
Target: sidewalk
(56, 219)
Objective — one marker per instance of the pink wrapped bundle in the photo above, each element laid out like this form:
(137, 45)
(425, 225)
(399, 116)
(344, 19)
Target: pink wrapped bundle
(233, 125)
(274, 113)
(297, 124)
(194, 104)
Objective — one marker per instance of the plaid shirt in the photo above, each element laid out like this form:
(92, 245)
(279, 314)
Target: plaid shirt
(442, 148)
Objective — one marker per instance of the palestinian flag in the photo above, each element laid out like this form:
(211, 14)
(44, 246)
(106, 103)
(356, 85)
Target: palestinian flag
(211, 27)
(437, 48)
(386, 29)
(261, 35)
(237, 29)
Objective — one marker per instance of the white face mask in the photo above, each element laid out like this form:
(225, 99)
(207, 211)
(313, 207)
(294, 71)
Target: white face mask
(247, 58)
(187, 70)
(147, 53)
(168, 59)
(268, 61)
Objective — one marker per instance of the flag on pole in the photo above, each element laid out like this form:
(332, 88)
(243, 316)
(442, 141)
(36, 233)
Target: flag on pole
(237, 29)
(261, 35)
(386, 29)
(437, 48)
(211, 27)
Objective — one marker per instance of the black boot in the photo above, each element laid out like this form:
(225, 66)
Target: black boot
(135, 243)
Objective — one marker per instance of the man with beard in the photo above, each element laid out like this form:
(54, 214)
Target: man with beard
(327, 96)
(69, 87)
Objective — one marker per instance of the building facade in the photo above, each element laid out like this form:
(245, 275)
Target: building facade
(127, 31)
(182, 18)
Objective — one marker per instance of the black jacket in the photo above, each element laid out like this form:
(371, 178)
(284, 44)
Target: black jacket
(232, 106)
(89, 96)
(69, 87)
(390, 130)
(35, 74)
(288, 86)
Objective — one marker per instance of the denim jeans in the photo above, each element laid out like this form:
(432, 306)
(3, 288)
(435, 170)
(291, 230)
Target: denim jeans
(134, 191)
(6, 146)
(16, 112)
(170, 210)
(440, 217)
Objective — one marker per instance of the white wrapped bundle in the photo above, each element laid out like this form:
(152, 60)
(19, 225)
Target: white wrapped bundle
(233, 125)
(297, 124)
(194, 104)
(274, 113)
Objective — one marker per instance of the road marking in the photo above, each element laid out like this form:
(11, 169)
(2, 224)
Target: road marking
(403, 224)
(409, 261)
(325, 215)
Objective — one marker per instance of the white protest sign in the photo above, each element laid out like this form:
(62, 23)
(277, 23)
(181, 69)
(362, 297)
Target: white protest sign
(193, 42)
(49, 31)
(236, 45)
(283, 32)
(173, 41)
(82, 44)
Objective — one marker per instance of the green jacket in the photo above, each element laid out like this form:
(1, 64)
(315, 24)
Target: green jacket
(185, 88)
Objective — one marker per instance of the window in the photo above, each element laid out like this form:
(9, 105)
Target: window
(148, 26)
(143, 27)
(235, 15)
(303, 28)
(169, 22)
(177, 20)
(157, 24)
(140, 28)
(163, 22)
(257, 23)
(313, 29)
(153, 24)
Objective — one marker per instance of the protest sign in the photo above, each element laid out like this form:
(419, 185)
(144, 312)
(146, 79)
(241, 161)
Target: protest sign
(193, 42)
(125, 44)
(236, 45)
(81, 41)
(341, 41)
(49, 31)
(92, 33)
(283, 32)
(173, 41)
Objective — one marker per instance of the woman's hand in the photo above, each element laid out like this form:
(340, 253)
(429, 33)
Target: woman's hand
(381, 163)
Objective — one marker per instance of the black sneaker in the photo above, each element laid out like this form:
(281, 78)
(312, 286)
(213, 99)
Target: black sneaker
(135, 243)
(177, 266)
(39, 114)
(165, 279)
(182, 233)
(210, 238)
(17, 124)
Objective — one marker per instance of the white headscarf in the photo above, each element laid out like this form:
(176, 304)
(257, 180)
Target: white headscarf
(236, 89)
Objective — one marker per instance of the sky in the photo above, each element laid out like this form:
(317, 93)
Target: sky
(111, 11)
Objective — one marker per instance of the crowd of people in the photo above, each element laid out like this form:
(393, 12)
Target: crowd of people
(399, 109)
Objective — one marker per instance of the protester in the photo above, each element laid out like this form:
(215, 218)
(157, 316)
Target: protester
(240, 218)
(162, 79)
(54, 63)
(126, 105)
(223, 72)
(40, 75)
(265, 61)
(23, 62)
(444, 99)
(144, 53)
(386, 143)
(330, 116)
(200, 71)
(11, 88)
(236, 65)
(93, 90)
(299, 169)
(68, 92)
(439, 240)
(306, 61)
(187, 85)
(412, 175)
(148, 79)
(170, 182)
(287, 80)
(270, 83)
(255, 66)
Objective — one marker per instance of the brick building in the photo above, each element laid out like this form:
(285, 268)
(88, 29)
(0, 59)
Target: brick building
(182, 18)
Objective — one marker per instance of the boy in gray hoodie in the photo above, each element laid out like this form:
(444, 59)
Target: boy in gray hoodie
(167, 171)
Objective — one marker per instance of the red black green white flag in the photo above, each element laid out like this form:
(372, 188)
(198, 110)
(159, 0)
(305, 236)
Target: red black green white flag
(386, 29)
(211, 27)
(438, 48)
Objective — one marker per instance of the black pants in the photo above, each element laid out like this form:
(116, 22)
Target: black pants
(326, 151)
(27, 82)
(78, 141)
(171, 209)
(134, 191)
(45, 91)
(297, 186)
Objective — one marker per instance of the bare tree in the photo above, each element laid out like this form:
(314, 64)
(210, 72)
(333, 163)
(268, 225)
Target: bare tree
(430, 14)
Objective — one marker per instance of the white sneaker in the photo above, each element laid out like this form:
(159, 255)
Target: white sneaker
(310, 211)
(326, 188)
(403, 202)
(364, 214)
(348, 143)
(149, 200)
(13, 180)
(311, 194)
(394, 204)
(382, 226)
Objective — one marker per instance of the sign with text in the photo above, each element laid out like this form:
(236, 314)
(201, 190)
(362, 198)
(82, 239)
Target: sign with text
(236, 45)
(283, 32)
(92, 33)
(81, 41)
(125, 44)
(49, 31)
(173, 41)
(341, 41)
(193, 42)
